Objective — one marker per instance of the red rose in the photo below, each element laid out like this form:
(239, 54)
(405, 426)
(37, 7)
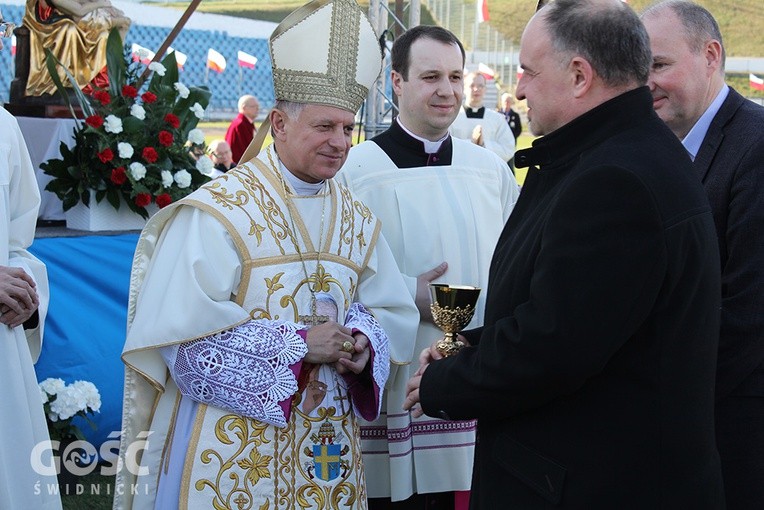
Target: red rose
(94, 121)
(150, 154)
(163, 200)
(172, 120)
(118, 176)
(102, 96)
(148, 97)
(142, 199)
(165, 138)
(106, 155)
(129, 91)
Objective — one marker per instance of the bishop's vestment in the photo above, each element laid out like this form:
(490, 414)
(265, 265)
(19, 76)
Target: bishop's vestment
(218, 286)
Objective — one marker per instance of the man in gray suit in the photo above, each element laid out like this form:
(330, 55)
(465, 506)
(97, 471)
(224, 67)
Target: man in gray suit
(723, 133)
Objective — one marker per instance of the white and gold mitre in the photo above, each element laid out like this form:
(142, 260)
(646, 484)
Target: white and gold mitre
(326, 52)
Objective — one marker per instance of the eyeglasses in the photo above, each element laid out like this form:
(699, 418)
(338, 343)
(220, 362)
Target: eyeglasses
(6, 28)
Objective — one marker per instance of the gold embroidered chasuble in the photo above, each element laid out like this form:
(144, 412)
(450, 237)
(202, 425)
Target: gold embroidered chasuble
(232, 460)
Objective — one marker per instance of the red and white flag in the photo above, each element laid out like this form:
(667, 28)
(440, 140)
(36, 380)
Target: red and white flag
(215, 61)
(756, 82)
(13, 45)
(180, 58)
(482, 10)
(247, 60)
(486, 71)
(519, 73)
(141, 54)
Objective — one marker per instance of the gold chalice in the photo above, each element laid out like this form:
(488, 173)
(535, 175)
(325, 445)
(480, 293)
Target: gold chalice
(452, 309)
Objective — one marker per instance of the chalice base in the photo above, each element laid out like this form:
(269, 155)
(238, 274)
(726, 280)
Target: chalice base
(449, 346)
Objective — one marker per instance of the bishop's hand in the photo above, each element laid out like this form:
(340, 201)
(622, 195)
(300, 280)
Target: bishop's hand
(325, 343)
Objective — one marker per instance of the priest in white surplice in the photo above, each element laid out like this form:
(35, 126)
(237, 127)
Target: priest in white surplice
(481, 125)
(23, 306)
(261, 304)
(439, 199)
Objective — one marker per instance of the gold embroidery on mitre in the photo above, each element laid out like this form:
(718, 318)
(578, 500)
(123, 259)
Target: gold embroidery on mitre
(337, 86)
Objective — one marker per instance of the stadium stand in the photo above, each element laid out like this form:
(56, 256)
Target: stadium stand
(226, 87)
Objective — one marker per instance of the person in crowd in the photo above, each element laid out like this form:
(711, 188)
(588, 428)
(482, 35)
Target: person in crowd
(481, 125)
(510, 115)
(722, 132)
(221, 155)
(75, 31)
(513, 121)
(257, 327)
(592, 378)
(241, 131)
(24, 298)
(450, 200)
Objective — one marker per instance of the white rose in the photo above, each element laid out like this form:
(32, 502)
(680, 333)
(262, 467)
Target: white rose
(182, 89)
(113, 124)
(138, 112)
(137, 170)
(167, 179)
(183, 178)
(125, 150)
(198, 110)
(196, 136)
(205, 165)
(157, 68)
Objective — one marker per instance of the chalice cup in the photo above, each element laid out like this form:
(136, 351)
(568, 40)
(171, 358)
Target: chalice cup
(452, 309)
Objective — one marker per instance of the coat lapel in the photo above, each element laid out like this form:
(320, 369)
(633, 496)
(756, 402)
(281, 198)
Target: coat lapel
(715, 133)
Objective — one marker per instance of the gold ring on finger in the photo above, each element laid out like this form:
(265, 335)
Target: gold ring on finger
(347, 346)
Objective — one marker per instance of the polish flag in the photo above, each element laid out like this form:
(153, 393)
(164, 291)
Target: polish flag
(482, 10)
(247, 60)
(756, 82)
(519, 73)
(13, 45)
(141, 54)
(215, 61)
(180, 58)
(486, 71)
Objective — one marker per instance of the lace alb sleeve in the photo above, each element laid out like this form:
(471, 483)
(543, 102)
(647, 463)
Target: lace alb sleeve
(360, 318)
(245, 369)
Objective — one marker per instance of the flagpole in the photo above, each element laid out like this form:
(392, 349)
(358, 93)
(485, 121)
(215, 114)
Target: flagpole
(475, 30)
(207, 71)
(240, 79)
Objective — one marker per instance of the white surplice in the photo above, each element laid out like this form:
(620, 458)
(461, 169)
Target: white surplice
(204, 268)
(429, 215)
(497, 137)
(22, 421)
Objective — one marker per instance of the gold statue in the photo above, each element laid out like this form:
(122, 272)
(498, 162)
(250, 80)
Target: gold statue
(75, 31)
(452, 309)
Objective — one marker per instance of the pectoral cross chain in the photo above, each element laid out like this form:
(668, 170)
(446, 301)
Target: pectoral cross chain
(313, 319)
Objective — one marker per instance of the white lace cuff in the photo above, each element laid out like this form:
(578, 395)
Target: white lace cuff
(244, 369)
(360, 318)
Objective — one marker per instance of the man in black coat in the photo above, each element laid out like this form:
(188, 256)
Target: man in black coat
(724, 134)
(592, 378)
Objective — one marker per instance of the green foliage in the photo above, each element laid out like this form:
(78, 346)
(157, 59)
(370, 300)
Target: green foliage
(157, 166)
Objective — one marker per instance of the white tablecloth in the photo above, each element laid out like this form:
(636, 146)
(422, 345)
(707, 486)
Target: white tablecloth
(43, 138)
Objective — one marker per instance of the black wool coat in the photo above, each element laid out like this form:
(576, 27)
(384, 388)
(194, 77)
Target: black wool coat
(592, 378)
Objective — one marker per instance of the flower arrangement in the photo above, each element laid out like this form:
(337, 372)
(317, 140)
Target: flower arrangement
(62, 402)
(135, 146)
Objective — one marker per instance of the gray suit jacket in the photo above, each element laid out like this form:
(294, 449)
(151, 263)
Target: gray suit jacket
(730, 163)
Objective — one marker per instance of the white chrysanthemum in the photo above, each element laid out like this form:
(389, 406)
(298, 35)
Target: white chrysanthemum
(157, 68)
(125, 150)
(52, 386)
(182, 89)
(167, 179)
(137, 170)
(138, 112)
(113, 124)
(183, 179)
(196, 136)
(198, 110)
(205, 165)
